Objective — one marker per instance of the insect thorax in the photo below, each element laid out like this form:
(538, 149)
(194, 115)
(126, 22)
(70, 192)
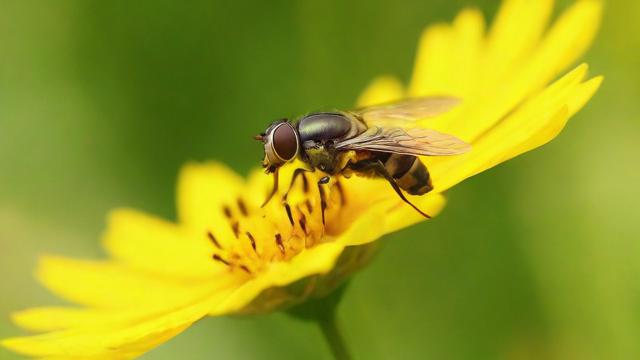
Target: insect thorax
(325, 126)
(319, 131)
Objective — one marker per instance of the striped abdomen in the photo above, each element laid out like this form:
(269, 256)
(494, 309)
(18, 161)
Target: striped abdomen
(409, 172)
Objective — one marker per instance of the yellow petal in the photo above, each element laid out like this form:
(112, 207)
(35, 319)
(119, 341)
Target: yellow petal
(521, 131)
(108, 285)
(457, 60)
(119, 340)
(467, 52)
(382, 90)
(154, 245)
(391, 216)
(319, 259)
(448, 57)
(496, 96)
(383, 218)
(583, 94)
(515, 33)
(383, 211)
(567, 40)
(579, 98)
(59, 318)
(433, 66)
(204, 190)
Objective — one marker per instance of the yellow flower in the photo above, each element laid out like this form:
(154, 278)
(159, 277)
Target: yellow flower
(226, 255)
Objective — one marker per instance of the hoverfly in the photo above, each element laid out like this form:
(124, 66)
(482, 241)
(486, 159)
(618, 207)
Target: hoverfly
(377, 141)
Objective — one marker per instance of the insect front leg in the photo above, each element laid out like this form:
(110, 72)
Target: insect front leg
(305, 183)
(305, 187)
(323, 196)
(274, 189)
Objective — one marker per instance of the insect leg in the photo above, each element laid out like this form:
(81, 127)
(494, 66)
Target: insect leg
(274, 190)
(323, 196)
(378, 166)
(305, 187)
(305, 183)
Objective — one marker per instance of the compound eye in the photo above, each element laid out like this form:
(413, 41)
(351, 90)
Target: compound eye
(285, 142)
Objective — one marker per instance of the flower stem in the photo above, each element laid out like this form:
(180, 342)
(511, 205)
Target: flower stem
(322, 311)
(328, 325)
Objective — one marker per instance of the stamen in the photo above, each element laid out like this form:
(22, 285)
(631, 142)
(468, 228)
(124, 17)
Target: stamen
(243, 207)
(289, 215)
(253, 241)
(217, 257)
(245, 268)
(299, 216)
(235, 226)
(214, 240)
(227, 212)
(303, 223)
(279, 243)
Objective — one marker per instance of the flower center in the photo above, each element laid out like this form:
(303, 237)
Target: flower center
(290, 223)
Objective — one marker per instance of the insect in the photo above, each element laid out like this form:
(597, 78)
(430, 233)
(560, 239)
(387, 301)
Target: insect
(379, 141)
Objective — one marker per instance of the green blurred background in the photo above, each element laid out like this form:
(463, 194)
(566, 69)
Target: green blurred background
(102, 101)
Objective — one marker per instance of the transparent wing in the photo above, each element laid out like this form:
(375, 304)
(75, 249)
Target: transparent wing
(406, 110)
(417, 141)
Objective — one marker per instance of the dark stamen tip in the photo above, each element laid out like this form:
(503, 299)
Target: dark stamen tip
(217, 257)
(245, 268)
(243, 207)
(227, 212)
(303, 223)
(213, 240)
(235, 226)
(279, 243)
(289, 215)
(253, 241)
